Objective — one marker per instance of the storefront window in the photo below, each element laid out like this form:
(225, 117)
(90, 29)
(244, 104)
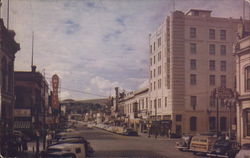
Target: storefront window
(247, 78)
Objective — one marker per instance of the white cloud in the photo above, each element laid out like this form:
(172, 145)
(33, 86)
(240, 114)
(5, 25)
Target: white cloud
(104, 42)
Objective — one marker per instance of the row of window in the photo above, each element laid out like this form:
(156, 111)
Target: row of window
(211, 49)
(153, 61)
(153, 73)
(153, 85)
(156, 103)
(212, 80)
(152, 48)
(212, 123)
(212, 65)
(211, 34)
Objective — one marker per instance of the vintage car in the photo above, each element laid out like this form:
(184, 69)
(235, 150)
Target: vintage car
(184, 143)
(202, 144)
(244, 151)
(224, 148)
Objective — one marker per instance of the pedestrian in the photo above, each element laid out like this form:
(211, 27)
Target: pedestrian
(227, 137)
(49, 139)
(24, 144)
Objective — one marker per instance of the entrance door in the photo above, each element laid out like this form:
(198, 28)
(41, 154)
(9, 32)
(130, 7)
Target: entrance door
(178, 130)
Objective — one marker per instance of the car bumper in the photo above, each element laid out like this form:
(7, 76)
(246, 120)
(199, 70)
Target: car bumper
(217, 155)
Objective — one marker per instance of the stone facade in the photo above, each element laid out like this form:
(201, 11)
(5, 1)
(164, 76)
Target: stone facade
(189, 57)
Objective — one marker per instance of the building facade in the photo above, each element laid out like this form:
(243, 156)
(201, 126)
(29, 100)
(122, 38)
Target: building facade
(189, 57)
(31, 106)
(8, 49)
(242, 53)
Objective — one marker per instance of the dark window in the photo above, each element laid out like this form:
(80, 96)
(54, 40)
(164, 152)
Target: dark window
(212, 123)
(193, 48)
(78, 150)
(223, 65)
(211, 34)
(212, 65)
(151, 49)
(193, 79)
(248, 123)
(192, 32)
(159, 103)
(159, 42)
(212, 80)
(223, 123)
(223, 50)
(193, 122)
(247, 78)
(212, 49)
(154, 46)
(193, 64)
(159, 56)
(154, 59)
(178, 117)
(166, 101)
(193, 102)
(223, 81)
(223, 34)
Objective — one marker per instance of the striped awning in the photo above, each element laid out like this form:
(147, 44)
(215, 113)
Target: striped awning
(22, 124)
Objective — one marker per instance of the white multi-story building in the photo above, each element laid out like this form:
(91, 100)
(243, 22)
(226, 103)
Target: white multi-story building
(190, 55)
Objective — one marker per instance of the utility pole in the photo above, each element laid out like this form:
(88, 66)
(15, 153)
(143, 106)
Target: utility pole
(44, 110)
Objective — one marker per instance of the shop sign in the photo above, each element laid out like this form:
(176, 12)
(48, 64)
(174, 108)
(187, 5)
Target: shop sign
(22, 113)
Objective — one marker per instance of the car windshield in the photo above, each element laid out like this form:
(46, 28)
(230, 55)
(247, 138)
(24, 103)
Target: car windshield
(222, 143)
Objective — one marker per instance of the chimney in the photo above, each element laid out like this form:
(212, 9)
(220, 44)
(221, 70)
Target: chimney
(33, 68)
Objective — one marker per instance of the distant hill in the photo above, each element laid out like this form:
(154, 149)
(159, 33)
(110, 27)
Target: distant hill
(101, 101)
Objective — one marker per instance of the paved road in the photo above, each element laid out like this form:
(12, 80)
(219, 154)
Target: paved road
(107, 144)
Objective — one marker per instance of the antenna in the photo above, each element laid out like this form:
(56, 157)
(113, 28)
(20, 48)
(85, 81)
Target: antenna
(173, 5)
(32, 51)
(8, 13)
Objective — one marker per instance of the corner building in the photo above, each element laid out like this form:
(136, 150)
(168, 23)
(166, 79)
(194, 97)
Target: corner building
(190, 55)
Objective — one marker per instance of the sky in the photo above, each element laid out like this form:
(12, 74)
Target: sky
(95, 45)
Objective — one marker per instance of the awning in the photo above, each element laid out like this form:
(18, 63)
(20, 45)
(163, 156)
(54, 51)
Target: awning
(22, 124)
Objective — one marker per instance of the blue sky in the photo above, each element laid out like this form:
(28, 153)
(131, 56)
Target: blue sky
(95, 45)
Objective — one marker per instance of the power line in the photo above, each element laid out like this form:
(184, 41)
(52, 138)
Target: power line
(84, 92)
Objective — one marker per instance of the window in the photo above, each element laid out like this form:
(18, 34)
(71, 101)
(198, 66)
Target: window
(193, 79)
(193, 64)
(154, 72)
(154, 85)
(212, 80)
(193, 102)
(223, 81)
(151, 74)
(151, 62)
(223, 34)
(151, 86)
(212, 101)
(159, 103)
(151, 49)
(159, 70)
(178, 117)
(78, 150)
(211, 34)
(155, 104)
(223, 65)
(193, 122)
(248, 123)
(223, 124)
(192, 32)
(193, 48)
(159, 56)
(159, 42)
(150, 104)
(146, 103)
(154, 46)
(166, 101)
(159, 83)
(223, 50)
(212, 123)
(212, 65)
(212, 49)
(247, 78)
(154, 59)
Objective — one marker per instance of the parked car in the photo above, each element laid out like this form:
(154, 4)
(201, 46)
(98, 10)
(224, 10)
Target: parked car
(224, 148)
(184, 143)
(244, 151)
(77, 149)
(60, 154)
(130, 132)
(78, 139)
(202, 144)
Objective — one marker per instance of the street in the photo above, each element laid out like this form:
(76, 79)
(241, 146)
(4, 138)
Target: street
(107, 144)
